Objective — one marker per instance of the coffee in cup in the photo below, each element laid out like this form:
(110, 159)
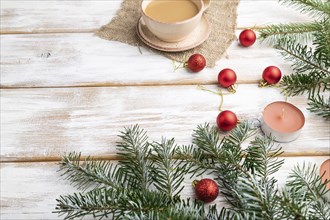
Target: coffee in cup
(172, 20)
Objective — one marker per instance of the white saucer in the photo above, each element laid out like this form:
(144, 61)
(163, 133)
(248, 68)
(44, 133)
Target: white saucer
(197, 37)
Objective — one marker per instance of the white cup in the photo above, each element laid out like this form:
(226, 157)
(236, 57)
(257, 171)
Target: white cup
(174, 31)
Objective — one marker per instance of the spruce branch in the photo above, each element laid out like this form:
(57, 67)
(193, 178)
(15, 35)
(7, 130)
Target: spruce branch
(311, 74)
(262, 157)
(245, 177)
(305, 196)
(184, 210)
(88, 173)
(322, 42)
(102, 202)
(294, 31)
(315, 8)
(99, 203)
(298, 83)
(302, 57)
(168, 173)
(310, 62)
(135, 150)
(320, 106)
(257, 198)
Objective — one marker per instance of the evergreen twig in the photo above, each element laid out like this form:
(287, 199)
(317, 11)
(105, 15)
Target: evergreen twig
(315, 8)
(90, 173)
(302, 32)
(245, 178)
(135, 150)
(305, 195)
(320, 106)
(169, 175)
(310, 62)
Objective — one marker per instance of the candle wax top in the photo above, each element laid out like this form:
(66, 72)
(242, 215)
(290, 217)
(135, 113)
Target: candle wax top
(283, 117)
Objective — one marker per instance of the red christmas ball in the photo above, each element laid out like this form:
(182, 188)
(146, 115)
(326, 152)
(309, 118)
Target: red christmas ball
(226, 120)
(206, 190)
(196, 62)
(272, 75)
(227, 77)
(247, 37)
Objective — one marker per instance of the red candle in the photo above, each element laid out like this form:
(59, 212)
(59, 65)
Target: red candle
(283, 121)
(325, 171)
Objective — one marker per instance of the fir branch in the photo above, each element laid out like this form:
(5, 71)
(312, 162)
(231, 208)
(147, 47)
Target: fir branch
(311, 74)
(183, 210)
(99, 203)
(168, 174)
(207, 139)
(305, 195)
(257, 198)
(320, 106)
(241, 133)
(208, 151)
(311, 65)
(196, 160)
(245, 178)
(84, 174)
(229, 213)
(322, 42)
(135, 150)
(262, 157)
(254, 192)
(315, 8)
(103, 203)
(302, 58)
(299, 83)
(294, 31)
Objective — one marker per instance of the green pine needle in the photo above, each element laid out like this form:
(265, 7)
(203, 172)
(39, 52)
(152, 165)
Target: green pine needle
(169, 175)
(315, 8)
(295, 32)
(310, 61)
(305, 196)
(245, 177)
(320, 106)
(134, 150)
(90, 173)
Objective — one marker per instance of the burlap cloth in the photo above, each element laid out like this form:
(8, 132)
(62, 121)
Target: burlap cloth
(221, 15)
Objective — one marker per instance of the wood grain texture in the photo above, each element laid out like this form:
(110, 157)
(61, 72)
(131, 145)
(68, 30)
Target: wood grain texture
(55, 16)
(29, 190)
(62, 60)
(86, 16)
(65, 89)
(47, 122)
(59, 60)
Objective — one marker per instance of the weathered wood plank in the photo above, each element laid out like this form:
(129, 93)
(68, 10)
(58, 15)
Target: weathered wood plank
(29, 190)
(43, 123)
(265, 12)
(86, 16)
(55, 16)
(58, 60)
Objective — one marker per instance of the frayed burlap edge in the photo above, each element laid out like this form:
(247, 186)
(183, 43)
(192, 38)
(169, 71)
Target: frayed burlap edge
(221, 14)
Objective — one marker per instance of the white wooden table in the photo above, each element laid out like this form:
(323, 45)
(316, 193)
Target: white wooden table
(64, 89)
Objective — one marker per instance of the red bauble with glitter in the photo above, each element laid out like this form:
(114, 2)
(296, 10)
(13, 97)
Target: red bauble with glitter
(196, 62)
(226, 120)
(227, 77)
(206, 190)
(272, 75)
(247, 37)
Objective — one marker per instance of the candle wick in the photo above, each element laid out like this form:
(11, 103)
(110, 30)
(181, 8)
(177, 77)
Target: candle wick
(282, 115)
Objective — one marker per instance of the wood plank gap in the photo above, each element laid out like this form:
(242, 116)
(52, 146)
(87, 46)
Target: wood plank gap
(116, 157)
(126, 85)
